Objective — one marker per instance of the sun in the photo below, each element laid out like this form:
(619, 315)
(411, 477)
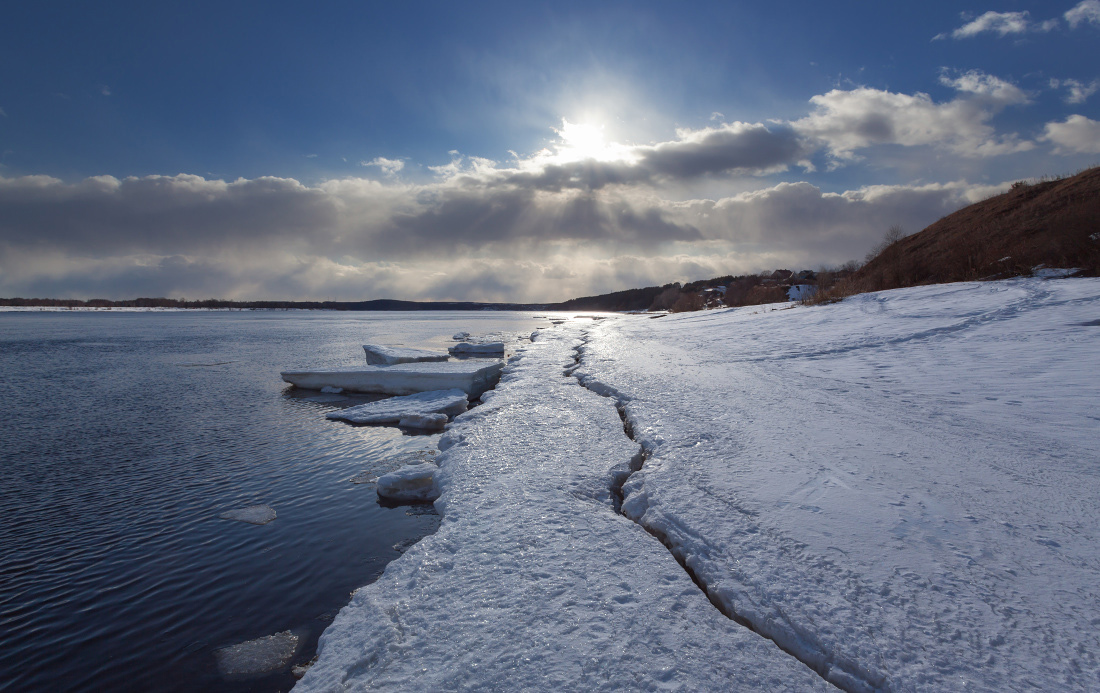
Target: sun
(585, 141)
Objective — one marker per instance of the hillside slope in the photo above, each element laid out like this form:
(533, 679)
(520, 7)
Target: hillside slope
(1052, 223)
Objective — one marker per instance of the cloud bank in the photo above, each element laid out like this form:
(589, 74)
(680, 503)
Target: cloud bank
(580, 217)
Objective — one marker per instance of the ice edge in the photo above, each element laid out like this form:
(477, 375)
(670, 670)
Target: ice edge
(795, 641)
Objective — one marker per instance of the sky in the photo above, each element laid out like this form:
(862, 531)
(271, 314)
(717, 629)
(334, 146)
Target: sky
(511, 151)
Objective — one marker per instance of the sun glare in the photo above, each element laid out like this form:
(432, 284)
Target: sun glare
(582, 141)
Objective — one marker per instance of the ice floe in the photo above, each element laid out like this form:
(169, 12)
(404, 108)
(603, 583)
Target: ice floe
(416, 482)
(485, 349)
(258, 657)
(378, 355)
(460, 336)
(472, 377)
(253, 514)
(438, 403)
(427, 422)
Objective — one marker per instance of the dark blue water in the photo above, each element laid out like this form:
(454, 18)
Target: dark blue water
(124, 435)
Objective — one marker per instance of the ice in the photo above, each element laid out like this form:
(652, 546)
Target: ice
(332, 390)
(253, 514)
(437, 403)
(430, 422)
(471, 377)
(901, 489)
(416, 482)
(258, 657)
(533, 582)
(378, 355)
(486, 349)
(460, 336)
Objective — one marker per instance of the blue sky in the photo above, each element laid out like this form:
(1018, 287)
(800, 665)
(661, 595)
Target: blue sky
(497, 151)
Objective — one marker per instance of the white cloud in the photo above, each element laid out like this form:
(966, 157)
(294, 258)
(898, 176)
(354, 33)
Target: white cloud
(1000, 23)
(1085, 12)
(390, 167)
(1077, 135)
(1077, 91)
(455, 239)
(847, 121)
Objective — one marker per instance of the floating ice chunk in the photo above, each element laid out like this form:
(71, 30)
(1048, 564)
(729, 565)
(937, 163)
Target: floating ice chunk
(428, 422)
(444, 403)
(461, 336)
(253, 514)
(413, 483)
(258, 657)
(378, 355)
(363, 478)
(332, 390)
(473, 378)
(487, 349)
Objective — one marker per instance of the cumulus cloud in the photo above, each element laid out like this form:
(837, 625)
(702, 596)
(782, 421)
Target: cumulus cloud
(1085, 12)
(1076, 91)
(355, 239)
(390, 167)
(847, 121)
(1077, 135)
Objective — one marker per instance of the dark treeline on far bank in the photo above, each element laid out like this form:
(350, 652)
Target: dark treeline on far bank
(379, 304)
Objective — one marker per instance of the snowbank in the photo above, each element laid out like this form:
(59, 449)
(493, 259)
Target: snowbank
(395, 409)
(471, 377)
(533, 581)
(900, 489)
(378, 355)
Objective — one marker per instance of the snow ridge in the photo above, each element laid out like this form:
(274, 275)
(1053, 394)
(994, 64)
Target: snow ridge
(798, 642)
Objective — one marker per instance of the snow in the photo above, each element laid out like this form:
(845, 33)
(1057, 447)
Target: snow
(445, 403)
(253, 514)
(258, 657)
(378, 355)
(533, 581)
(415, 482)
(402, 379)
(488, 348)
(901, 489)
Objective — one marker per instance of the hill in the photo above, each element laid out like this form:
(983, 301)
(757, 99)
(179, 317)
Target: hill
(1054, 223)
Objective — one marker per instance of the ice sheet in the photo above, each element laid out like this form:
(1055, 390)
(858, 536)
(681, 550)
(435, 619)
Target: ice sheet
(902, 488)
(393, 409)
(415, 482)
(472, 377)
(533, 582)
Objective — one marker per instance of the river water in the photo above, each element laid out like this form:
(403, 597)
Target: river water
(123, 436)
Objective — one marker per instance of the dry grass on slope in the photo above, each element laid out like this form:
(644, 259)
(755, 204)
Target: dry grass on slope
(1053, 223)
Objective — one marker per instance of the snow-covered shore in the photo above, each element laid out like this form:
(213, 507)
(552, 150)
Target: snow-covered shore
(901, 490)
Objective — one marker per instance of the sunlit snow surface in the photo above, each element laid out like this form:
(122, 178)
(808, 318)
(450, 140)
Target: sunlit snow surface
(903, 489)
(533, 582)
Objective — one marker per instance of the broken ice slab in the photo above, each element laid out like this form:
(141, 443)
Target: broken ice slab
(415, 482)
(253, 514)
(444, 403)
(378, 355)
(426, 422)
(468, 349)
(258, 657)
(460, 336)
(473, 378)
